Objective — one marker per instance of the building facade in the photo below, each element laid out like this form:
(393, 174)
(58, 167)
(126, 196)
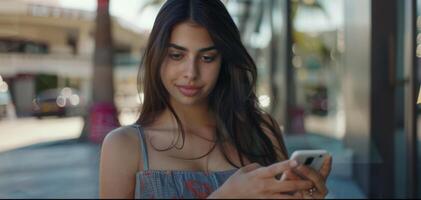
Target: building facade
(43, 45)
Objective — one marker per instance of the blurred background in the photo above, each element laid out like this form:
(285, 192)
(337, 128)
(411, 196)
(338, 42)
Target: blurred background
(340, 75)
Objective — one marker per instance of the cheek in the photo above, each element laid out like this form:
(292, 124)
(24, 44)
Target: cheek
(165, 73)
(211, 73)
(169, 70)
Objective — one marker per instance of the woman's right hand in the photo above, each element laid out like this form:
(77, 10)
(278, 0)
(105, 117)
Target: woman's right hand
(254, 181)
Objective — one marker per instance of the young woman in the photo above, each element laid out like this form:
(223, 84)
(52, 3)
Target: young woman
(201, 132)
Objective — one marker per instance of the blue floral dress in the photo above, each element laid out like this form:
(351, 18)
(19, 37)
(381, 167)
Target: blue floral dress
(172, 184)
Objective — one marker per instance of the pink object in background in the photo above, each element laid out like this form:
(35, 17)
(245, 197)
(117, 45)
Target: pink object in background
(297, 120)
(103, 119)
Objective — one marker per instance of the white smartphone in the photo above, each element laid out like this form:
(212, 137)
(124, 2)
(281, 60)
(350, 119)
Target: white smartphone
(310, 158)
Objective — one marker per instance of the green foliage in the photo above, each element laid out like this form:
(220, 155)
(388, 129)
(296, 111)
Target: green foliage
(45, 81)
(309, 45)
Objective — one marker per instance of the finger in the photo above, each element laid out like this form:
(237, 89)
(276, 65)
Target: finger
(313, 176)
(326, 167)
(283, 196)
(275, 169)
(298, 195)
(290, 175)
(250, 167)
(319, 196)
(289, 186)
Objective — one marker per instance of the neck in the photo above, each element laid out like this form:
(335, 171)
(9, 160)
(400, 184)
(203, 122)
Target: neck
(193, 116)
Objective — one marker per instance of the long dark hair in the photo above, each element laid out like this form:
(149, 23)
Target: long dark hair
(239, 120)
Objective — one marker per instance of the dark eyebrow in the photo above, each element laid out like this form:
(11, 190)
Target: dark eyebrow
(185, 49)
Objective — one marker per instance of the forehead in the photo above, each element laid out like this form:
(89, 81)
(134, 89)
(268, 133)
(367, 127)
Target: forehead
(191, 36)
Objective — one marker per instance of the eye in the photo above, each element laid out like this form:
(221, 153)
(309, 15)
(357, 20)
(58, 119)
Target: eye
(208, 59)
(176, 56)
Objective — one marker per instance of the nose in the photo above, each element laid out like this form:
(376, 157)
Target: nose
(191, 70)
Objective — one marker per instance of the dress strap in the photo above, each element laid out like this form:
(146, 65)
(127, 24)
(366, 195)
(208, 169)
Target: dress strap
(143, 149)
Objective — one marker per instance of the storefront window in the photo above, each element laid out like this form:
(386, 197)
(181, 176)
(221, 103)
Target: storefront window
(317, 48)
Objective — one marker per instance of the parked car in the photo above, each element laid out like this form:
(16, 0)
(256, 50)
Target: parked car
(58, 102)
(5, 101)
(7, 109)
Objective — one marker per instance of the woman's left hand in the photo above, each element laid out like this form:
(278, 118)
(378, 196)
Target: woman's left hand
(318, 178)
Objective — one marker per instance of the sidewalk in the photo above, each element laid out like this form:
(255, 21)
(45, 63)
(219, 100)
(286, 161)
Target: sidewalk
(69, 169)
(65, 169)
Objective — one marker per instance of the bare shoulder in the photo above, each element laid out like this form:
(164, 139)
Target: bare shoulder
(119, 163)
(123, 144)
(125, 135)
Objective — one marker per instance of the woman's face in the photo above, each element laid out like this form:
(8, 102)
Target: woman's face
(191, 66)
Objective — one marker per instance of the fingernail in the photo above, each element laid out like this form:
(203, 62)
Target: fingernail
(293, 163)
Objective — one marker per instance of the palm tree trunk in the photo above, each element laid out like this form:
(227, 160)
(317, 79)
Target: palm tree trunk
(102, 115)
(103, 55)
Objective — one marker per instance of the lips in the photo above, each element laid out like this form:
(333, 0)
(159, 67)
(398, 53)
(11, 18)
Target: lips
(188, 91)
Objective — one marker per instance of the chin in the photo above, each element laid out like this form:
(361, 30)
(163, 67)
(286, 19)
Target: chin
(188, 101)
